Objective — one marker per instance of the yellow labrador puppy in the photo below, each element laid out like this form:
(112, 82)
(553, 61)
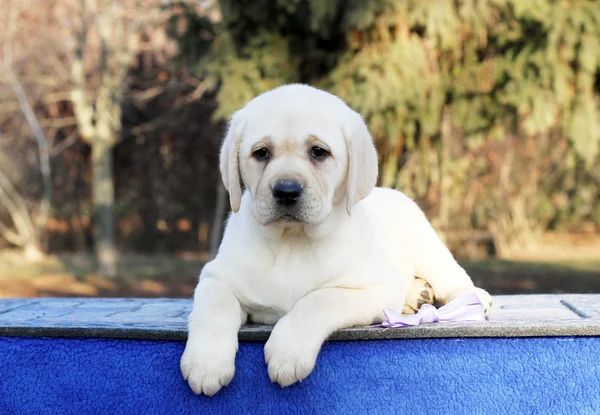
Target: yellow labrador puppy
(311, 246)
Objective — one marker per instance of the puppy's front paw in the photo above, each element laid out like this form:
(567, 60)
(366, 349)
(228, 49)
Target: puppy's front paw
(208, 365)
(290, 355)
(485, 298)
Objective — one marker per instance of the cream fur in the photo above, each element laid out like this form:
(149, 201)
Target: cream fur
(352, 251)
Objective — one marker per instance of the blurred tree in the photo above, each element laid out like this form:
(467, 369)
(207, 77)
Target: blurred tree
(105, 45)
(165, 144)
(484, 111)
(29, 224)
(441, 83)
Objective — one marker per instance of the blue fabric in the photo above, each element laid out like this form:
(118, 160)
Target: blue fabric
(428, 376)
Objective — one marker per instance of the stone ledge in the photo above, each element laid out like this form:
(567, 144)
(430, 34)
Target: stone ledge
(165, 319)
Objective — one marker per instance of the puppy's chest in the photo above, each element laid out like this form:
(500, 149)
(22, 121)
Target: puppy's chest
(268, 292)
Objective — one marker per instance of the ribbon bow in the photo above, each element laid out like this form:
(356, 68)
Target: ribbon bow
(465, 308)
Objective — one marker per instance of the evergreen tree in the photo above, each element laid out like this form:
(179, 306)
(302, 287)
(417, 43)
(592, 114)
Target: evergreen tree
(488, 107)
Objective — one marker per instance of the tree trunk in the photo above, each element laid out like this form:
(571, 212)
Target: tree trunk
(32, 252)
(103, 196)
(218, 221)
(24, 235)
(446, 137)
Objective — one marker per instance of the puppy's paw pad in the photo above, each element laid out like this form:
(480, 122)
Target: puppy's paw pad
(419, 293)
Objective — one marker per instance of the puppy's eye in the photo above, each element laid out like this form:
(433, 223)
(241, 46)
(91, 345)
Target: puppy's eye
(319, 153)
(262, 154)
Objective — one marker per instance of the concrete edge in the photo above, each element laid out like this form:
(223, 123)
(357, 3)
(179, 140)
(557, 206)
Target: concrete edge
(261, 333)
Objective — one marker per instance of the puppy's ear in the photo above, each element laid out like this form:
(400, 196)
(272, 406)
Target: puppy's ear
(362, 160)
(228, 161)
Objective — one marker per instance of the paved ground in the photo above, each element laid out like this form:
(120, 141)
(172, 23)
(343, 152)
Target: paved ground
(511, 316)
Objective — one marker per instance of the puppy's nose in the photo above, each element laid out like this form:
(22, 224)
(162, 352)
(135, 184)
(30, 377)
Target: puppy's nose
(287, 192)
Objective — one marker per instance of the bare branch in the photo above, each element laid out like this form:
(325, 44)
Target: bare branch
(42, 143)
(9, 235)
(59, 122)
(16, 207)
(104, 105)
(9, 32)
(195, 95)
(63, 145)
(32, 120)
(79, 95)
(12, 106)
(142, 97)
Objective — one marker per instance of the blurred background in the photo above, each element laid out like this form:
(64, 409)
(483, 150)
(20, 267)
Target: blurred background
(111, 114)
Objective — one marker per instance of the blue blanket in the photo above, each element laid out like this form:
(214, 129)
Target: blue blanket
(429, 376)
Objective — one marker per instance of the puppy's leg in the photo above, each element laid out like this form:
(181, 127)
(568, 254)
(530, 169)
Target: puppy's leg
(208, 362)
(435, 264)
(294, 344)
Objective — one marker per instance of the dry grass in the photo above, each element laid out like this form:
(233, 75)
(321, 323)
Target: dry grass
(561, 263)
(74, 275)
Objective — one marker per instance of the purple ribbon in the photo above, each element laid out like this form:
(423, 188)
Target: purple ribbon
(464, 308)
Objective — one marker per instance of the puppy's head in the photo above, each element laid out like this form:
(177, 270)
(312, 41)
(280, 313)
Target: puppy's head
(301, 153)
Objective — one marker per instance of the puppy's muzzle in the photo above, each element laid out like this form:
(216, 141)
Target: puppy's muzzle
(287, 192)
